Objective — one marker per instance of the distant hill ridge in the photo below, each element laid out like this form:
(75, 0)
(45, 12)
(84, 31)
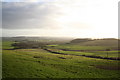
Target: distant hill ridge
(96, 42)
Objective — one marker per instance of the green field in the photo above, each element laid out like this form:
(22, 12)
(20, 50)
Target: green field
(39, 63)
(85, 50)
(79, 47)
(7, 45)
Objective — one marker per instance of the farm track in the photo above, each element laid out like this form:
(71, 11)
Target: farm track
(98, 57)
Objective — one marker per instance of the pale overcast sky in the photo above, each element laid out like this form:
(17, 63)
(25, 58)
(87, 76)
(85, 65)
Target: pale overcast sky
(60, 18)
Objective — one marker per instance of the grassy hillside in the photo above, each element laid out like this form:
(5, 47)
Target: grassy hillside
(95, 48)
(113, 43)
(78, 47)
(39, 63)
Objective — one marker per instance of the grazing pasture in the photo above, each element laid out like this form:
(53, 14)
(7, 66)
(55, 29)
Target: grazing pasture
(40, 63)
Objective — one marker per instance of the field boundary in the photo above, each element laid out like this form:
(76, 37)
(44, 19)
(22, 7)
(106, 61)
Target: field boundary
(98, 57)
(85, 50)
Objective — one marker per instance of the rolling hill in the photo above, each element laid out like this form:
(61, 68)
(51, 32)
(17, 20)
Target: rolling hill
(99, 42)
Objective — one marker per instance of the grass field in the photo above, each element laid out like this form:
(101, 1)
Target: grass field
(99, 43)
(110, 54)
(38, 63)
(85, 50)
(79, 47)
(7, 45)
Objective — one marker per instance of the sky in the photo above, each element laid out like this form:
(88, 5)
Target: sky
(60, 18)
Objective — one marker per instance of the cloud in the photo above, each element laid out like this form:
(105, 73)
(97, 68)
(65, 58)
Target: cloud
(60, 17)
(43, 14)
(19, 0)
(28, 15)
(28, 0)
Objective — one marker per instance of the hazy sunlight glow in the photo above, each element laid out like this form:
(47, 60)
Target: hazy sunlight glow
(75, 18)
